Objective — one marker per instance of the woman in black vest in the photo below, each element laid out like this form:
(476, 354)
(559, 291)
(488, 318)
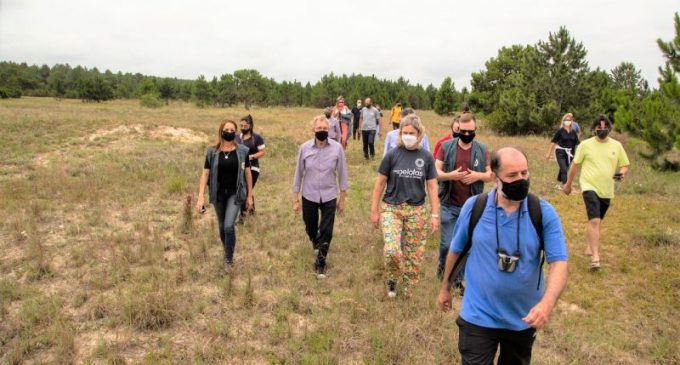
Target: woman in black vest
(226, 171)
(564, 142)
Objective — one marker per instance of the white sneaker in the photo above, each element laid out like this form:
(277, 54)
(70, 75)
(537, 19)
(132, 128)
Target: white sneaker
(391, 289)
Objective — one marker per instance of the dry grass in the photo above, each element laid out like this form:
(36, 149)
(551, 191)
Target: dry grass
(101, 262)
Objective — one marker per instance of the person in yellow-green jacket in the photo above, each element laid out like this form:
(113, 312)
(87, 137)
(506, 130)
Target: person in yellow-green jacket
(602, 161)
(395, 116)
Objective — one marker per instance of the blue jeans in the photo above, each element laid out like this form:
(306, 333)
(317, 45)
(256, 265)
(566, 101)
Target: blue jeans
(368, 138)
(448, 218)
(227, 211)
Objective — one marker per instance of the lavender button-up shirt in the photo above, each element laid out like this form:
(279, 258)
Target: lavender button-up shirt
(319, 170)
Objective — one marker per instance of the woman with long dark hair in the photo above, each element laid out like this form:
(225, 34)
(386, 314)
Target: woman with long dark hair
(226, 171)
(255, 144)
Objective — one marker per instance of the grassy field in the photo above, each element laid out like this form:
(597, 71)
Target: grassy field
(101, 263)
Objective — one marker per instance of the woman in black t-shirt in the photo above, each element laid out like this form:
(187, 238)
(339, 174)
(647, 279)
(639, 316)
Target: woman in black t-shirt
(564, 141)
(255, 144)
(226, 171)
(407, 175)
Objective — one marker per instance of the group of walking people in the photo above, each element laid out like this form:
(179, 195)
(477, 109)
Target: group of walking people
(492, 244)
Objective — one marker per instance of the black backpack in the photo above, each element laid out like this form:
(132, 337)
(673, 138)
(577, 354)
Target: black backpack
(536, 216)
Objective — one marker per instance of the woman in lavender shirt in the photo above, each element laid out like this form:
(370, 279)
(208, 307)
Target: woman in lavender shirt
(319, 174)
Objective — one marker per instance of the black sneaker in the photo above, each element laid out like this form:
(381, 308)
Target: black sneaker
(391, 289)
(320, 271)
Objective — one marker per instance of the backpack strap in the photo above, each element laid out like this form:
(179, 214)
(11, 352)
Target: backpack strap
(477, 210)
(536, 216)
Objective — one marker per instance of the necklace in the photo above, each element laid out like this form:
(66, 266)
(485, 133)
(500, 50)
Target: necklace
(227, 153)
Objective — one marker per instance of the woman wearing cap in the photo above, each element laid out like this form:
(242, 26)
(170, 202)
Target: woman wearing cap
(255, 144)
(409, 174)
(564, 142)
(344, 116)
(227, 172)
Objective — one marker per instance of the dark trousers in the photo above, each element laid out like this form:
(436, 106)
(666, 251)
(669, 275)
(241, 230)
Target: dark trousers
(227, 210)
(563, 162)
(478, 345)
(368, 138)
(395, 126)
(255, 175)
(319, 233)
(355, 129)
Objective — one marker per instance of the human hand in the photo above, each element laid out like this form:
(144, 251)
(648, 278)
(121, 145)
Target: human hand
(547, 156)
(566, 189)
(539, 315)
(471, 177)
(444, 300)
(434, 224)
(375, 219)
(296, 206)
(340, 208)
(249, 202)
(457, 174)
(200, 205)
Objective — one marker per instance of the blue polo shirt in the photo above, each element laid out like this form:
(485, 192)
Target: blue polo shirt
(496, 299)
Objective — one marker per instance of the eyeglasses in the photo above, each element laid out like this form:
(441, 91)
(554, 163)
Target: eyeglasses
(466, 131)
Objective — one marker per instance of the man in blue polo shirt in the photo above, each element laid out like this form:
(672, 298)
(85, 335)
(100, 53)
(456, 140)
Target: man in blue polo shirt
(505, 305)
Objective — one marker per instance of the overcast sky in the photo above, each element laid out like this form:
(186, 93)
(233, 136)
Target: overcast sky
(424, 41)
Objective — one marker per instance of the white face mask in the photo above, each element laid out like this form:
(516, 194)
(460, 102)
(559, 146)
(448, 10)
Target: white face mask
(409, 140)
(567, 123)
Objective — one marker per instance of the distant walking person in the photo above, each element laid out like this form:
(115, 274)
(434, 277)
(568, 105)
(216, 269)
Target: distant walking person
(319, 173)
(356, 115)
(227, 172)
(564, 142)
(392, 136)
(369, 123)
(409, 174)
(455, 130)
(505, 301)
(601, 156)
(344, 116)
(334, 131)
(395, 115)
(255, 144)
(462, 168)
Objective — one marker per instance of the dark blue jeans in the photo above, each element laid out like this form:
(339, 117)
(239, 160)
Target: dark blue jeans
(368, 138)
(227, 211)
(448, 218)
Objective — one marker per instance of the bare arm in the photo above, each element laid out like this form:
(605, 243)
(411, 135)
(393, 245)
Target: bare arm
(570, 177)
(444, 299)
(200, 201)
(433, 193)
(378, 189)
(257, 154)
(539, 315)
(550, 150)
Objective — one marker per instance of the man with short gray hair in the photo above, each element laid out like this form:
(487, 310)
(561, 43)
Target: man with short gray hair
(369, 124)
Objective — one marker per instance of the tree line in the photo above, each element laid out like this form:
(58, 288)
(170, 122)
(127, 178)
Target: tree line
(525, 89)
(246, 86)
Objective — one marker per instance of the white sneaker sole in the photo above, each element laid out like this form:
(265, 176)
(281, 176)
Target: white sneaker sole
(391, 294)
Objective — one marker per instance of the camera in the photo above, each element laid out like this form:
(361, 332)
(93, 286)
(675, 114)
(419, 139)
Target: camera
(507, 263)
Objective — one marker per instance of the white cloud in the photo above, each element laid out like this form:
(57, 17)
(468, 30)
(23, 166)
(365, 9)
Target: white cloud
(303, 39)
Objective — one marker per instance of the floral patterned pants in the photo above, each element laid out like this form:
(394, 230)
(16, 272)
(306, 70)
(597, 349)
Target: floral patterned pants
(404, 229)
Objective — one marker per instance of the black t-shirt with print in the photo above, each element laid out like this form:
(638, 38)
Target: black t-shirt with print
(407, 172)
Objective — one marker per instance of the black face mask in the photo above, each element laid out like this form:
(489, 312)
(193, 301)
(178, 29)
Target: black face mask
(368, 105)
(467, 138)
(328, 116)
(228, 136)
(456, 135)
(602, 133)
(321, 135)
(516, 190)
(245, 130)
